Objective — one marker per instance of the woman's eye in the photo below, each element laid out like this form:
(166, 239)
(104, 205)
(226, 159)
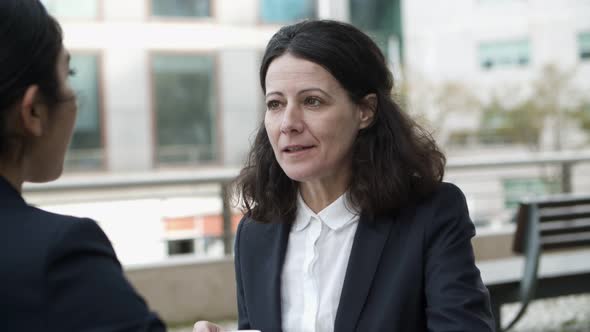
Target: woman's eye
(72, 72)
(312, 101)
(273, 104)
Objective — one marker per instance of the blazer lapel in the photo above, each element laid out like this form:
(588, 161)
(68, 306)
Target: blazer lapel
(267, 272)
(369, 241)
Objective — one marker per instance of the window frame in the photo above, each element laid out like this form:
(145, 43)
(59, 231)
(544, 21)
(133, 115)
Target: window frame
(217, 162)
(101, 108)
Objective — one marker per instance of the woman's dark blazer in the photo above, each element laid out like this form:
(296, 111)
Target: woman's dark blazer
(413, 271)
(60, 273)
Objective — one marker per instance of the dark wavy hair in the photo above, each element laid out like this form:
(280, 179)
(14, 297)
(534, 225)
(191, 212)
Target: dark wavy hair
(395, 161)
(30, 43)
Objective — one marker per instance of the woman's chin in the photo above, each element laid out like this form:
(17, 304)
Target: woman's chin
(45, 176)
(300, 176)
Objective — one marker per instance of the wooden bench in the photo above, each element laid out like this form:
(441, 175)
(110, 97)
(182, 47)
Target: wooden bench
(553, 237)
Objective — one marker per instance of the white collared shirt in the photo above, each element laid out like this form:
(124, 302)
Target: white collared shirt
(315, 264)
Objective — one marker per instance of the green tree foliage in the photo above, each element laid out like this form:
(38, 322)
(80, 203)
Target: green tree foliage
(552, 103)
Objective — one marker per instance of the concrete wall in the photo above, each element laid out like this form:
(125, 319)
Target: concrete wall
(493, 243)
(334, 9)
(127, 109)
(189, 290)
(243, 12)
(241, 102)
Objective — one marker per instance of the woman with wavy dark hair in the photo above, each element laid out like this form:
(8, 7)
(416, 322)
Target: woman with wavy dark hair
(57, 273)
(348, 224)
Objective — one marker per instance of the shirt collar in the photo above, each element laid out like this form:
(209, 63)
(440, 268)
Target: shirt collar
(337, 215)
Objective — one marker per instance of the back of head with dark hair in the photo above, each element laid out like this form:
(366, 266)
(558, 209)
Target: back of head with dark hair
(395, 161)
(30, 42)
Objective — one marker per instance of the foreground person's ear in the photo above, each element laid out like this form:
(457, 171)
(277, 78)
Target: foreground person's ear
(32, 112)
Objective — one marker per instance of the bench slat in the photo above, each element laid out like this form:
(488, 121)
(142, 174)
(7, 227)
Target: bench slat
(506, 270)
(562, 215)
(566, 241)
(562, 200)
(565, 227)
(549, 226)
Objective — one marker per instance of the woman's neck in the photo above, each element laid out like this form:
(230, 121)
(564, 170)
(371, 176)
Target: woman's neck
(13, 175)
(318, 195)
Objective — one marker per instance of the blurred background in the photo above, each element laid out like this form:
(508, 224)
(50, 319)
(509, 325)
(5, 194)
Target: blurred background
(169, 101)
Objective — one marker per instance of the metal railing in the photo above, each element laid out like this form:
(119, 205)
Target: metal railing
(140, 185)
(181, 183)
(565, 160)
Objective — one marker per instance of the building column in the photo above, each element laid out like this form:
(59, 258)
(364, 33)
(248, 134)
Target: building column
(334, 10)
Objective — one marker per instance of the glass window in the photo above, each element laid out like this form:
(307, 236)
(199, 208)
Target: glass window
(181, 8)
(373, 15)
(381, 19)
(584, 45)
(72, 8)
(185, 108)
(285, 11)
(86, 149)
(504, 54)
(181, 247)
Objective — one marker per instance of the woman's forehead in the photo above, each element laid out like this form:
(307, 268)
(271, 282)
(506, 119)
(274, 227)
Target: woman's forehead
(289, 71)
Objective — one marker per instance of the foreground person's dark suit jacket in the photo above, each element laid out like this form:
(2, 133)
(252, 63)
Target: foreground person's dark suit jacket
(60, 273)
(409, 272)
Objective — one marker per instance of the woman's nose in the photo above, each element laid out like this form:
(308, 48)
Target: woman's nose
(292, 120)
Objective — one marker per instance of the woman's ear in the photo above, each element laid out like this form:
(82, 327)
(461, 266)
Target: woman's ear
(32, 112)
(368, 108)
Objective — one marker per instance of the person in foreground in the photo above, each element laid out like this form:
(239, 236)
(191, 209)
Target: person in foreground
(349, 226)
(57, 273)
